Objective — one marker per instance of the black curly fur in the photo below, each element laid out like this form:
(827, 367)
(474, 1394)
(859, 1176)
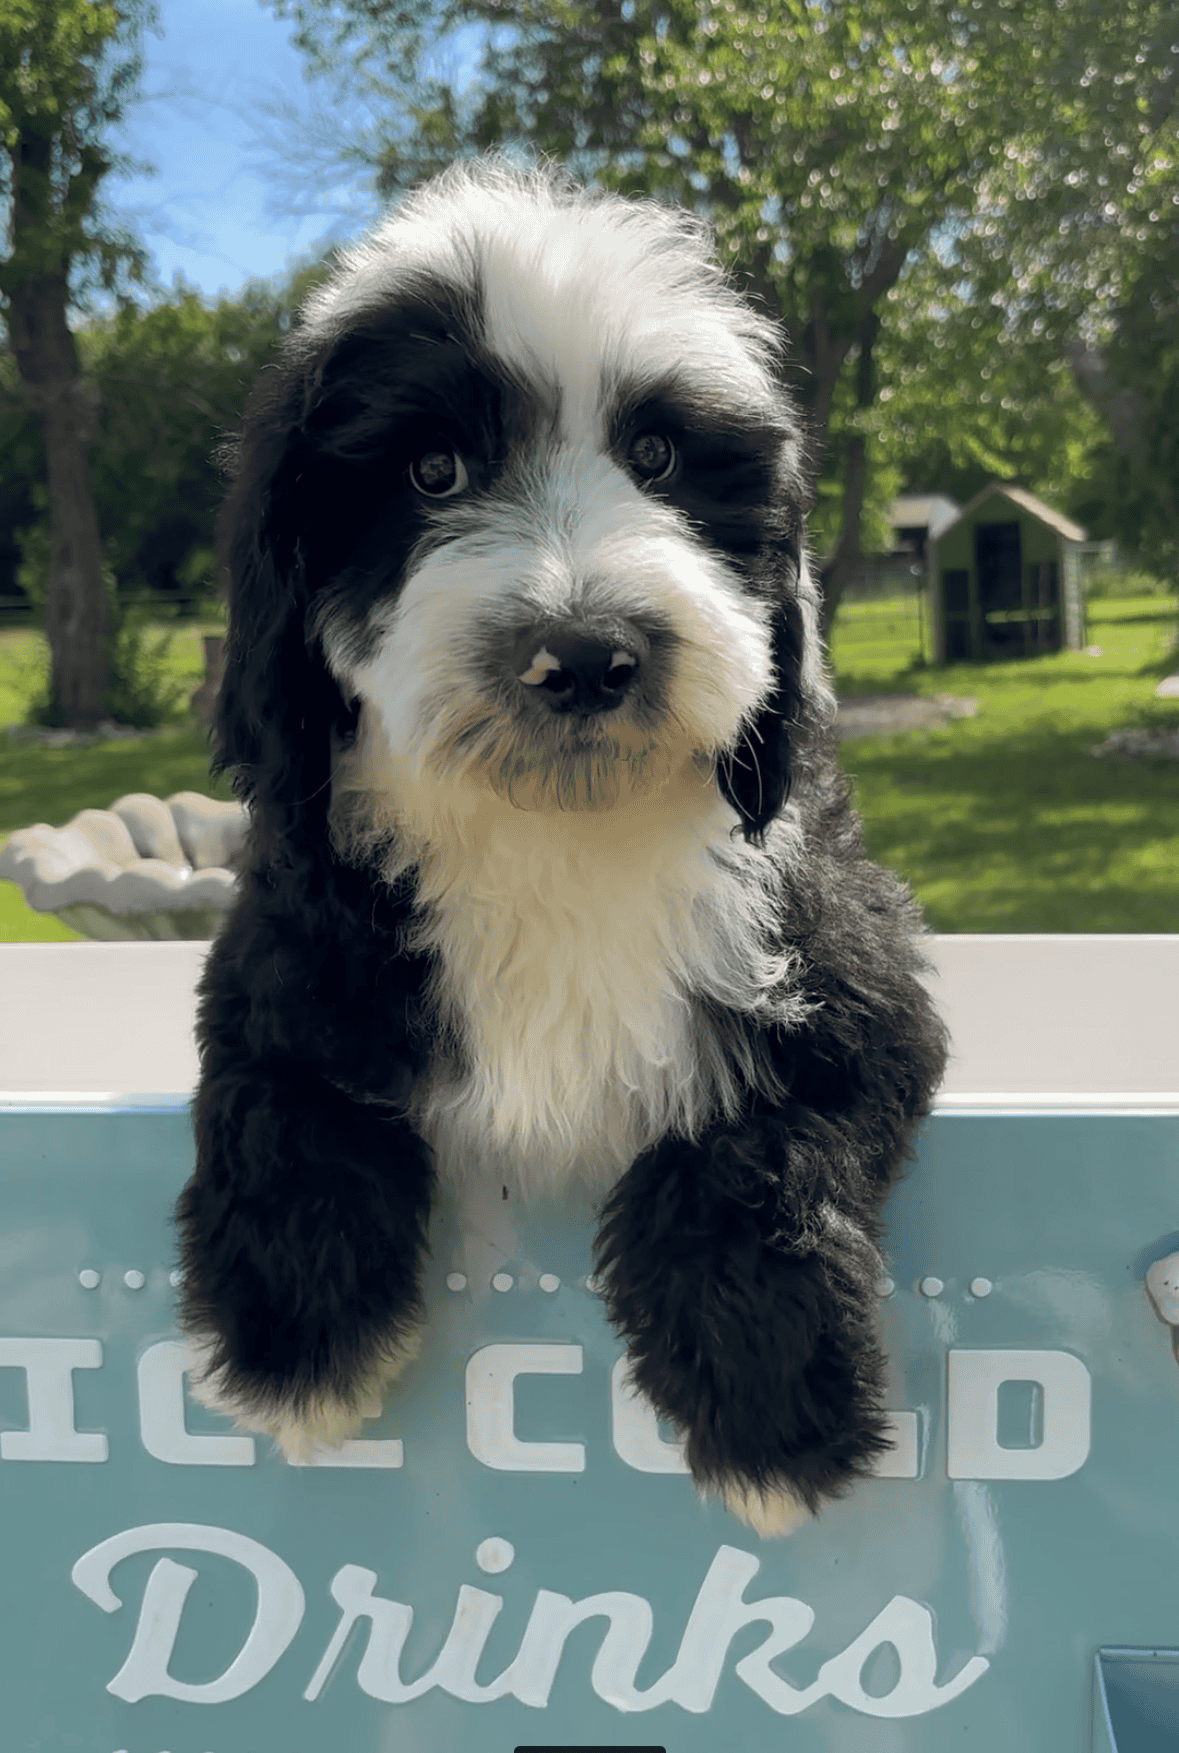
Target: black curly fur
(740, 1265)
(750, 1318)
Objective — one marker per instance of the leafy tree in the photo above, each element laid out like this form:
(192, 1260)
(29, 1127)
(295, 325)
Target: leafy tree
(1131, 377)
(1016, 149)
(825, 140)
(169, 381)
(1078, 241)
(172, 382)
(67, 69)
(967, 397)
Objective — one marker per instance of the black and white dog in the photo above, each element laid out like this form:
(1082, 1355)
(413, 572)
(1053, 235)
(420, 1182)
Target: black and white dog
(552, 873)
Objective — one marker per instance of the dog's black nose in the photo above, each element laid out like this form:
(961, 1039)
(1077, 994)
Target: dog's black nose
(576, 672)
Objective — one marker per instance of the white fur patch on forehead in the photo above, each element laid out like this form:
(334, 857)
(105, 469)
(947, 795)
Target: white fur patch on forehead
(577, 284)
(604, 288)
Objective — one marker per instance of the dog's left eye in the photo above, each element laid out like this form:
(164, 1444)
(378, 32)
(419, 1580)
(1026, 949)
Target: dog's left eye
(438, 474)
(651, 456)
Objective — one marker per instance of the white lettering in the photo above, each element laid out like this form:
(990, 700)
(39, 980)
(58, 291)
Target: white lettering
(48, 1365)
(379, 1673)
(908, 1627)
(719, 1613)
(389, 1625)
(277, 1615)
(363, 1451)
(529, 1677)
(628, 1632)
(491, 1408)
(973, 1450)
(903, 1460)
(634, 1428)
(165, 1435)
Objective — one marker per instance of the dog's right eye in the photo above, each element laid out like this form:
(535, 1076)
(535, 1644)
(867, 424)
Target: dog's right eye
(438, 473)
(652, 456)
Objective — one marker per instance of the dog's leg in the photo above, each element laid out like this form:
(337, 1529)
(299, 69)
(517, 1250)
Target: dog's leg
(303, 1232)
(743, 1278)
(303, 1229)
(743, 1267)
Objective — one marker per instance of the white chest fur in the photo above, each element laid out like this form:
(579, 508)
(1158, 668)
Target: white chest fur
(569, 950)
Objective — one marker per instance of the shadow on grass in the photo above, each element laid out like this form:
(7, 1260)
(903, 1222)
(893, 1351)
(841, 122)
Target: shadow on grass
(1165, 665)
(1027, 832)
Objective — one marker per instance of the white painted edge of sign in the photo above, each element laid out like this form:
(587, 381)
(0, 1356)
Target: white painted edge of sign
(960, 1102)
(1062, 1102)
(67, 1101)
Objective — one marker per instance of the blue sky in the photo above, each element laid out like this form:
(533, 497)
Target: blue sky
(220, 209)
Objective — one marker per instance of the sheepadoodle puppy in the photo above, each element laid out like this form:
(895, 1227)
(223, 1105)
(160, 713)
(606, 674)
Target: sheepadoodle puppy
(551, 875)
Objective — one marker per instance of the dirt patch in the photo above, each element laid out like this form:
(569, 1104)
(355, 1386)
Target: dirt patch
(1140, 745)
(106, 731)
(865, 715)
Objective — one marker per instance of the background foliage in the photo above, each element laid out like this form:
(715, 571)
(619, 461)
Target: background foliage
(997, 177)
(966, 214)
(170, 379)
(68, 68)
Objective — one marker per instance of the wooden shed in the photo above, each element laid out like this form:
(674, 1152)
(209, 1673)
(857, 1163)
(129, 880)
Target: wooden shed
(1005, 579)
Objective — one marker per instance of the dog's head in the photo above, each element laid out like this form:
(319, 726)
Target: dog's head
(523, 493)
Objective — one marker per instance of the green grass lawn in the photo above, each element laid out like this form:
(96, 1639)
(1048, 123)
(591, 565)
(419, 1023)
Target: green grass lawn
(1003, 822)
(39, 784)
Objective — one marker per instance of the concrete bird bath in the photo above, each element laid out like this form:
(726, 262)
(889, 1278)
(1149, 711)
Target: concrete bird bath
(144, 868)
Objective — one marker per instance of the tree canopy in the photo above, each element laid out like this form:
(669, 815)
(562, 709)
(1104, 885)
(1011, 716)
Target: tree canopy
(967, 216)
(67, 71)
(1077, 239)
(1021, 149)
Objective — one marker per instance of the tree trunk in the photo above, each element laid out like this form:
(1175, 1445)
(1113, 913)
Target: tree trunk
(75, 600)
(825, 354)
(837, 574)
(845, 562)
(36, 280)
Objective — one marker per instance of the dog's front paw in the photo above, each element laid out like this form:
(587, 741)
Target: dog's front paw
(300, 1424)
(303, 1434)
(771, 1511)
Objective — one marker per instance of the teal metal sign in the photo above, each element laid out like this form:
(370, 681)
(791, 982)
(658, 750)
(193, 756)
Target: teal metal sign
(511, 1555)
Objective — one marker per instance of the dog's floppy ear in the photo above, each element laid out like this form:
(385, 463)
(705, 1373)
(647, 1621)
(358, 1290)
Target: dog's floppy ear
(278, 704)
(756, 776)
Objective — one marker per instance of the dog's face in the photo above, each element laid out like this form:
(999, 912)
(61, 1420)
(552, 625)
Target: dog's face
(539, 497)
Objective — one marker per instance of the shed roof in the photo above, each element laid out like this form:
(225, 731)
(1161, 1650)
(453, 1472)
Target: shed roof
(1019, 496)
(923, 511)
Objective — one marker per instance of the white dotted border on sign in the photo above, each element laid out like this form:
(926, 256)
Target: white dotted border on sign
(929, 1286)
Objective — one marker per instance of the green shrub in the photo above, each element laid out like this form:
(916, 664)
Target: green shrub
(143, 691)
(1120, 582)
